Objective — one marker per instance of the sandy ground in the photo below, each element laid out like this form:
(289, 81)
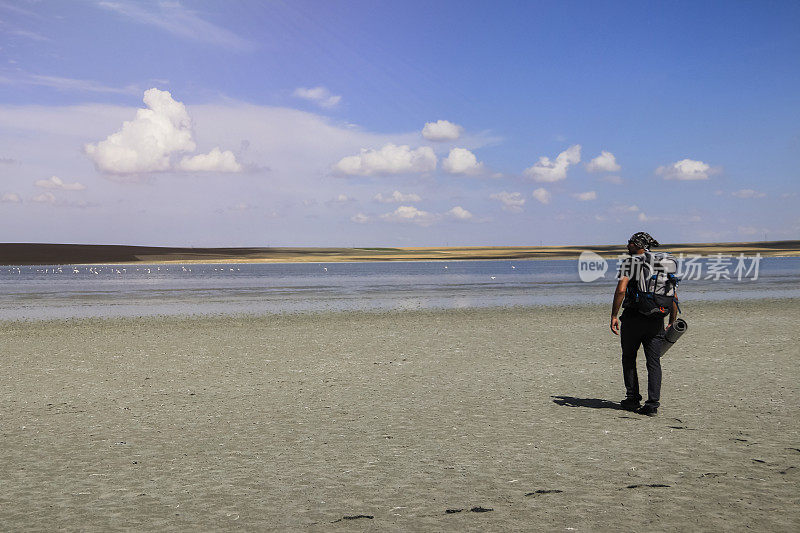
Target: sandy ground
(296, 422)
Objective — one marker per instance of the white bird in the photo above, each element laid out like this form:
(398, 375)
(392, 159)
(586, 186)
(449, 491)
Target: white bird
(325, 268)
(512, 266)
(493, 277)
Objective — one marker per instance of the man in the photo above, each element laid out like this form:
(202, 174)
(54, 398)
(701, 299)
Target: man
(637, 330)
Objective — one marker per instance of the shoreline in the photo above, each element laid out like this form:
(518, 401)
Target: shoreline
(311, 314)
(329, 261)
(31, 254)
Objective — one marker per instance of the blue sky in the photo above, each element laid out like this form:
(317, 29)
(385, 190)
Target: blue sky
(304, 123)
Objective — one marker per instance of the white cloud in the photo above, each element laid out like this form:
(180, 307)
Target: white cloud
(546, 170)
(45, 198)
(748, 193)
(146, 143)
(63, 84)
(410, 214)
(214, 161)
(360, 218)
(687, 170)
(586, 196)
(461, 161)
(391, 159)
(441, 130)
(318, 95)
(396, 197)
(512, 201)
(542, 195)
(459, 213)
(10, 198)
(290, 152)
(643, 218)
(616, 180)
(339, 200)
(605, 162)
(173, 18)
(56, 183)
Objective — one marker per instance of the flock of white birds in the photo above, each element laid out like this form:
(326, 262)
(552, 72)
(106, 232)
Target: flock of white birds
(97, 270)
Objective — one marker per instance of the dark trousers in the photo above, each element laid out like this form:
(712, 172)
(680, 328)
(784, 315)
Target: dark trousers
(648, 332)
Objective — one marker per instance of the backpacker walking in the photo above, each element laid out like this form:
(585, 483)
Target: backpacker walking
(646, 291)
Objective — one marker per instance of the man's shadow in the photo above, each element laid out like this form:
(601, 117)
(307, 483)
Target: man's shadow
(593, 403)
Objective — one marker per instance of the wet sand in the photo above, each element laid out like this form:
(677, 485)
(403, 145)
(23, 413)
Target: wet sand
(296, 422)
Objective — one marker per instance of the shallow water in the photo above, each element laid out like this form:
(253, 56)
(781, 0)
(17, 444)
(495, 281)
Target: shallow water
(41, 292)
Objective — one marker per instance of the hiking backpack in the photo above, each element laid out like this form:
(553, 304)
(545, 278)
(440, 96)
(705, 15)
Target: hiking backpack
(652, 288)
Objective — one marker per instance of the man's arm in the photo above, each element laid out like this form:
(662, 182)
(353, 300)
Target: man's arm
(673, 313)
(619, 296)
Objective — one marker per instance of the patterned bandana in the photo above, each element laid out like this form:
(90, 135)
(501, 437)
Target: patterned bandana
(643, 240)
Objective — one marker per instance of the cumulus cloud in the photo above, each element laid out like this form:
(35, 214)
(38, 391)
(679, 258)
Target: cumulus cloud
(586, 196)
(441, 130)
(56, 183)
(391, 159)
(410, 214)
(214, 161)
(512, 201)
(548, 171)
(459, 213)
(396, 197)
(318, 95)
(461, 161)
(748, 193)
(542, 195)
(44, 198)
(605, 162)
(360, 218)
(11, 198)
(146, 143)
(686, 170)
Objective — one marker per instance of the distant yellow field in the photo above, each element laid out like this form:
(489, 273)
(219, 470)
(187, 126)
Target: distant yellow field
(26, 254)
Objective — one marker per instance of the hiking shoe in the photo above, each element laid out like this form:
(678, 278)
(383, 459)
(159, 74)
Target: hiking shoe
(629, 404)
(648, 409)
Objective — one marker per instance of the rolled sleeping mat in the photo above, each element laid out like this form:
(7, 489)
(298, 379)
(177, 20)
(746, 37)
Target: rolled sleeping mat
(673, 333)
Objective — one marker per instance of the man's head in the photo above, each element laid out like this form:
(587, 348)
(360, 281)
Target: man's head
(639, 242)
